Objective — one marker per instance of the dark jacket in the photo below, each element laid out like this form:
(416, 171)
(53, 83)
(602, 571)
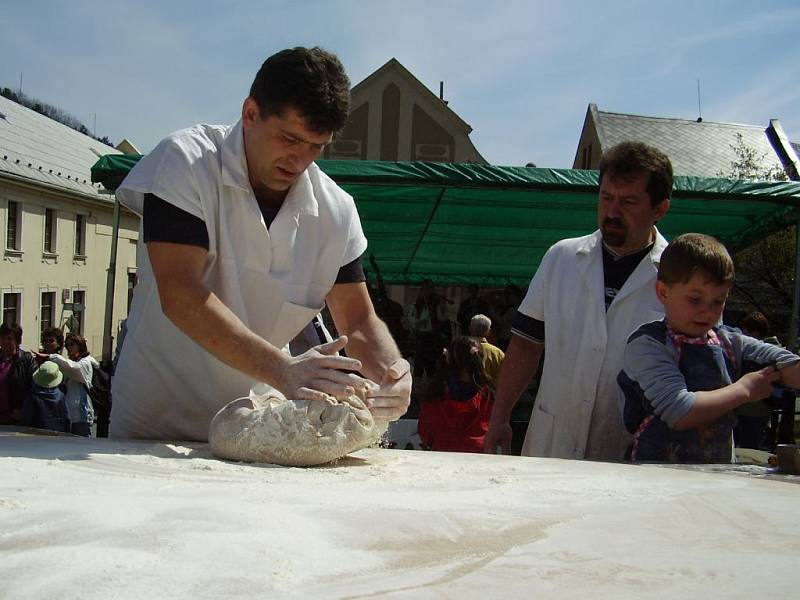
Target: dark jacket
(20, 378)
(45, 408)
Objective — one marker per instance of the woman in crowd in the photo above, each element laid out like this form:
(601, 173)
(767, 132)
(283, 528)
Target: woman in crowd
(454, 416)
(77, 368)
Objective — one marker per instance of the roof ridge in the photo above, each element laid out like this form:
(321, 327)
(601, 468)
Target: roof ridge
(678, 119)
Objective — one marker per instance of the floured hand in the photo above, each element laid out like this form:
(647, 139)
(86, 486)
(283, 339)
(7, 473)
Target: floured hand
(390, 401)
(317, 375)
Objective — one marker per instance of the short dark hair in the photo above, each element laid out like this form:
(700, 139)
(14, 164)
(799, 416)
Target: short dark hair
(310, 80)
(80, 341)
(755, 323)
(692, 252)
(54, 332)
(13, 329)
(631, 158)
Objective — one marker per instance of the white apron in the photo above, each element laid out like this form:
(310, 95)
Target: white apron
(166, 386)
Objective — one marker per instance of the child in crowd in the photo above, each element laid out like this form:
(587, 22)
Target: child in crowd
(52, 340)
(46, 406)
(684, 375)
(454, 416)
(77, 367)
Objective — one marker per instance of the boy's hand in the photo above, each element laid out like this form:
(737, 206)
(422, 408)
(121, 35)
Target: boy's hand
(758, 384)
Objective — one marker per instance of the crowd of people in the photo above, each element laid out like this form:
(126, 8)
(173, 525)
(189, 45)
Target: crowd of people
(48, 388)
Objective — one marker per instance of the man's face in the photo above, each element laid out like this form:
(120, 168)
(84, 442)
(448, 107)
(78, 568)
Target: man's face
(625, 214)
(8, 344)
(694, 307)
(278, 148)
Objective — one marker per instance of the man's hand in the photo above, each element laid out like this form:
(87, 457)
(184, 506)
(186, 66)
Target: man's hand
(499, 434)
(317, 375)
(391, 399)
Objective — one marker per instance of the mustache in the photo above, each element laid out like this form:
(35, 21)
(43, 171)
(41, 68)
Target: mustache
(612, 221)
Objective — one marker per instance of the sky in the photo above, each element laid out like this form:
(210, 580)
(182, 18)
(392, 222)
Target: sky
(522, 74)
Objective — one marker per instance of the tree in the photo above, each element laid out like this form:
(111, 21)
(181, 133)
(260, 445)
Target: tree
(52, 112)
(750, 166)
(765, 270)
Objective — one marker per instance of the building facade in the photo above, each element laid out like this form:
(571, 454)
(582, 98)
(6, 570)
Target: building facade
(395, 117)
(57, 231)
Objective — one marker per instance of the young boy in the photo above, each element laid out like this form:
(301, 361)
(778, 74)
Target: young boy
(46, 406)
(684, 375)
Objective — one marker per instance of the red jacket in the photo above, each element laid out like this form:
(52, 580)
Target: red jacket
(450, 425)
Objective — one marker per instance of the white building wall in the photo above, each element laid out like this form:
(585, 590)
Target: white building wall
(32, 271)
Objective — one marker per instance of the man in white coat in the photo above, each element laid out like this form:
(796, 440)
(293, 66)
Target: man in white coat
(243, 241)
(587, 296)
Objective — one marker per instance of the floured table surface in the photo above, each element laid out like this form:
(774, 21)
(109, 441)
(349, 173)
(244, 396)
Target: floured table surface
(88, 518)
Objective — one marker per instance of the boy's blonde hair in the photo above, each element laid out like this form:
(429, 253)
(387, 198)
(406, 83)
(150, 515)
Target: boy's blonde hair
(692, 252)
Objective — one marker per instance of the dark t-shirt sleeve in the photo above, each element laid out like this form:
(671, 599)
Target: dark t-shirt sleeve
(165, 222)
(352, 272)
(528, 327)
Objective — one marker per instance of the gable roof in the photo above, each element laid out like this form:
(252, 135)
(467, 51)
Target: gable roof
(697, 149)
(394, 65)
(37, 149)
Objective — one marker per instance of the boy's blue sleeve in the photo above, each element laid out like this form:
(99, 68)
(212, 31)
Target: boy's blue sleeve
(762, 353)
(653, 365)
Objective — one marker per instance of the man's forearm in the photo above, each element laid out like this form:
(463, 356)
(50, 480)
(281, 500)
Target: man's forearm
(370, 342)
(519, 367)
(202, 316)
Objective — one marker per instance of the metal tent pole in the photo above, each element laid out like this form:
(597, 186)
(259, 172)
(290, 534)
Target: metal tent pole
(111, 278)
(795, 321)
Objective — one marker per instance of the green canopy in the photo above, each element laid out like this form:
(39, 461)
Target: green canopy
(490, 225)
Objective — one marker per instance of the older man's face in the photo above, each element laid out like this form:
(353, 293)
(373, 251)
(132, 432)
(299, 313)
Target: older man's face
(625, 213)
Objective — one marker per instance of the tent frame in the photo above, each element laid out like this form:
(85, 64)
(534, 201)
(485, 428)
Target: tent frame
(777, 205)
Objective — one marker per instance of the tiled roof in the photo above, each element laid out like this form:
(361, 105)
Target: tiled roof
(698, 149)
(42, 150)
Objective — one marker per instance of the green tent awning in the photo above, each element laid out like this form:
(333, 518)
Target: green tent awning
(490, 225)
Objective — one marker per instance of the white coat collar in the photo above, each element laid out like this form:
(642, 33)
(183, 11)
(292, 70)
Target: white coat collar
(234, 163)
(590, 242)
(299, 201)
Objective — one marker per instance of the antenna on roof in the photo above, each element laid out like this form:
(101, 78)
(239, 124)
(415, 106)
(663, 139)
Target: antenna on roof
(699, 109)
(20, 83)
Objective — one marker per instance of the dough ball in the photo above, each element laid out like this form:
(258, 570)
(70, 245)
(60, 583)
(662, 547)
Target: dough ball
(297, 433)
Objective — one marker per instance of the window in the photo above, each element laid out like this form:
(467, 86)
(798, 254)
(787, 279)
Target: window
(587, 157)
(11, 306)
(50, 230)
(47, 312)
(13, 226)
(345, 149)
(131, 285)
(78, 310)
(80, 235)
